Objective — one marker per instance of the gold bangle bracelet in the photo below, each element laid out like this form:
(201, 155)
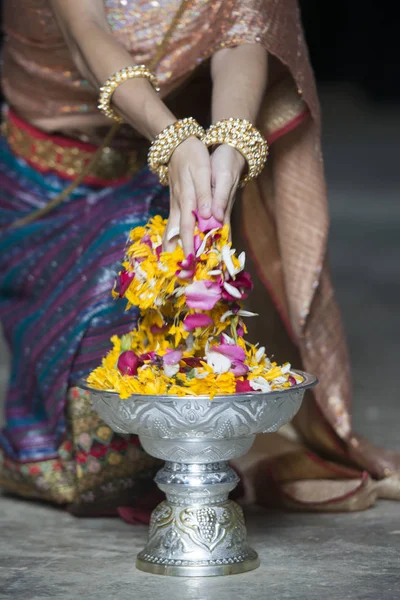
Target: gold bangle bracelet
(109, 87)
(244, 137)
(167, 142)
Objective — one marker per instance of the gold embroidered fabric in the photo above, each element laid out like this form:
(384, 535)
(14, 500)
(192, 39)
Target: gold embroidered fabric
(47, 154)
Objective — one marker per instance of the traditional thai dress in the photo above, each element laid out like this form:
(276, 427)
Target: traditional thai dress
(56, 273)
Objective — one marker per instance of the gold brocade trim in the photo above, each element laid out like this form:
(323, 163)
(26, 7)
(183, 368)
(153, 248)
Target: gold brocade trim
(46, 155)
(284, 103)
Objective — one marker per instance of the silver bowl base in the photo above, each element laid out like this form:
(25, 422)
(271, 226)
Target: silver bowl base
(187, 569)
(197, 541)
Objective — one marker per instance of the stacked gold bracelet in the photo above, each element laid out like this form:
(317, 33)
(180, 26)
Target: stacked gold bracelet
(167, 142)
(109, 87)
(243, 136)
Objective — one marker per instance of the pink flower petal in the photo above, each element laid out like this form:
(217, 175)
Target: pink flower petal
(192, 361)
(292, 380)
(185, 273)
(239, 369)
(197, 242)
(242, 282)
(172, 357)
(206, 224)
(146, 240)
(232, 351)
(188, 262)
(125, 279)
(147, 356)
(156, 329)
(203, 295)
(243, 386)
(191, 322)
(158, 251)
(128, 363)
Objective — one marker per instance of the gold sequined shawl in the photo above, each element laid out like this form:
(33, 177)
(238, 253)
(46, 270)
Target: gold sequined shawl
(284, 218)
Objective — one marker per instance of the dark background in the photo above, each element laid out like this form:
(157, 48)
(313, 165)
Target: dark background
(355, 41)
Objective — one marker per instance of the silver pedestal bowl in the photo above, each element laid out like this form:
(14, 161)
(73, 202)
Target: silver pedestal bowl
(197, 530)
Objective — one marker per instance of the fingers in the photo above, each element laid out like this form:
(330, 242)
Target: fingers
(172, 230)
(202, 183)
(187, 223)
(223, 193)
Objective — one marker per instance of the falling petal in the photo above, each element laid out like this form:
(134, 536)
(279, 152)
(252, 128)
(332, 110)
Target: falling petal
(191, 322)
(172, 233)
(202, 295)
(125, 280)
(226, 339)
(188, 262)
(226, 314)
(197, 242)
(203, 244)
(227, 259)
(242, 259)
(232, 291)
(146, 240)
(206, 224)
(246, 313)
(155, 329)
(185, 273)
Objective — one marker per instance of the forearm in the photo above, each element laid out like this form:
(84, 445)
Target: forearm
(98, 55)
(239, 80)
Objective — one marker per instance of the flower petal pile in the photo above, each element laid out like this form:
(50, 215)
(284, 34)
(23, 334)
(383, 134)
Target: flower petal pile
(189, 340)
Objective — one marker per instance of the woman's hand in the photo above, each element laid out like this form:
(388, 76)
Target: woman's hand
(227, 165)
(190, 188)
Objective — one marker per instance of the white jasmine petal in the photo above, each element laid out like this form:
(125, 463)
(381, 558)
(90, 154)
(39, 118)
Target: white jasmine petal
(218, 362)
(286, 368)
(226, 314)
(173, 232)
(232, 290)
(227, 339)
(246, 313)
(279, 380)
(227, 259)
(200, 374)
(242, 260)
(260, 353)
(171, 370)
(204, 242)
(259, 384)
(189, 341)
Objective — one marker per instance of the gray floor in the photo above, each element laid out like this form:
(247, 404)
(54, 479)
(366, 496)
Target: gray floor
(45, 553)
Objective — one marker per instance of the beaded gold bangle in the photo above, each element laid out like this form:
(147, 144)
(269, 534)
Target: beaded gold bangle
(243, 136)
(167, 142)
(109, 87)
